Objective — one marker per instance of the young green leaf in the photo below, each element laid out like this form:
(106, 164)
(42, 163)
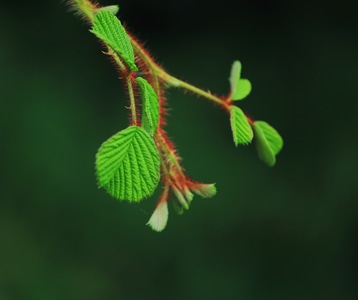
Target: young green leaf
(235, 75)
(127, 165)
(150, 106)
(240, 88)
(109, 29)
(240, 126)
(268, 142)
(243, 89)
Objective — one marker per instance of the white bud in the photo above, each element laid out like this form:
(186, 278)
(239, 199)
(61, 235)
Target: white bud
(204, 190)
(159, 218)
(185, 198)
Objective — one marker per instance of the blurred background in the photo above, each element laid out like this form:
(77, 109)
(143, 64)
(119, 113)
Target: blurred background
(287, 232)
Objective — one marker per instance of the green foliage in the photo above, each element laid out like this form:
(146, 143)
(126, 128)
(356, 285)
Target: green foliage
(268, 142)
(130, 163)
(109, 29)
(240, 88)
(127, 165)
(150, 106)
(240, 126)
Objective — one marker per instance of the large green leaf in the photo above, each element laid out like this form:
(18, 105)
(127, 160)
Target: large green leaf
(240, 88)
(268, 142)
(150, 106)
(128, 164)
(109, 29)
(240, 126)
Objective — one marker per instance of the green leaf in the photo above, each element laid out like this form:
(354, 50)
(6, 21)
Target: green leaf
(240, 88)
(243, 89)
(150, 106)
(240, 126)
(128, 164)
(235, 75)
(109, 29)
(268, 142)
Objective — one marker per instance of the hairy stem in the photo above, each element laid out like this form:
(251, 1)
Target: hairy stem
(175, 82)
(132, 99)
(85, 8)
(88, 10)
(157, 73)
(169, 154)
(171, 80)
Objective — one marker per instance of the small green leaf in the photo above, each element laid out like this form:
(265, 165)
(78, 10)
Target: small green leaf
(109, 29)
(150, 106)
(243, 89)
(240, 126)
(240, 88)
(127, 165)
(268, 142)
(235, 75)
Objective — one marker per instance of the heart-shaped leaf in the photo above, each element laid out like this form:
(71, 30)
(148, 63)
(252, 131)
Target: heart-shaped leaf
(240, 126)
(128, 164)
(268, 142)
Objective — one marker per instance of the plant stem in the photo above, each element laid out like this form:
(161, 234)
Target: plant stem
(175, 82)
(169, 154)
(85, 7)
(171, 80)
(132, 99)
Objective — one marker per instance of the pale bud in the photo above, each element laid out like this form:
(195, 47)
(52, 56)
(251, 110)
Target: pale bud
(159, 218)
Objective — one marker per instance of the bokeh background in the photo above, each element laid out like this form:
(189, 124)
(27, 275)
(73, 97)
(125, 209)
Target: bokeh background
(287, 232)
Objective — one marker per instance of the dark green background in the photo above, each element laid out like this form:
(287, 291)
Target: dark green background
(288, 232)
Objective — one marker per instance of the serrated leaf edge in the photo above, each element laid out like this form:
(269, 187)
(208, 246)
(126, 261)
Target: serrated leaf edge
(240, 126)
(131, 178)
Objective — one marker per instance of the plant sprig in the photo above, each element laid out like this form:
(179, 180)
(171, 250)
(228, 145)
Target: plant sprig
(130, 164)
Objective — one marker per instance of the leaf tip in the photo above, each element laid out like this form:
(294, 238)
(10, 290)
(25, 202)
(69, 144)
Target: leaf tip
(114, 9)
(235, 75)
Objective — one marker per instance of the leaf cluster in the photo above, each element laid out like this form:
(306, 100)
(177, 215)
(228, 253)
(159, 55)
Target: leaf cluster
(268, 141)
(130, 163)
